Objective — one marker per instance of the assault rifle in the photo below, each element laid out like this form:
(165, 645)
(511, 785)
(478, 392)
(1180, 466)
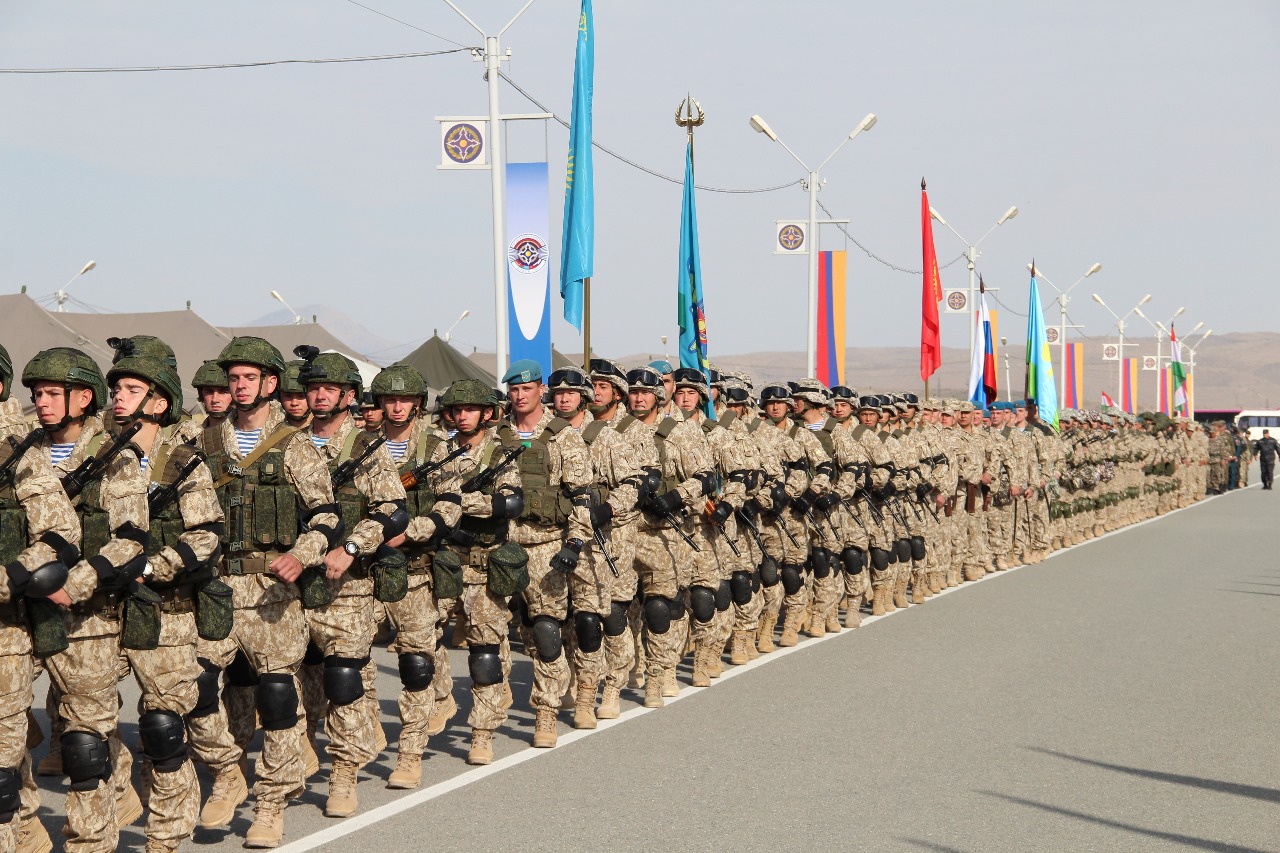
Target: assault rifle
(95, 466)
(489, 476)
(159, 500)
(346, 472)
(409, 479)
(18, 449)
(733, 546)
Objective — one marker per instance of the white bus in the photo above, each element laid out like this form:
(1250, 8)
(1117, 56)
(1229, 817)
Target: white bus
(1254, 421)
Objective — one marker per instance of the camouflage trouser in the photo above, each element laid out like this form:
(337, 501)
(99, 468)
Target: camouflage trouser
(344, 629)
(780, 547)
(662, 564)
(273, 637)
(1038, 523)
(620, 647)
(714, 566)
(746, 617)
(999, 520)
(414, 617)
(975, 548)
(167, 677)
(85, 675)
(16, 674)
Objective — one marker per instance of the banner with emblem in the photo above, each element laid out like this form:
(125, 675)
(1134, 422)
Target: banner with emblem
(463, 142)
(528, 263)
(1110, 352)
(790, 238)
(956, 300)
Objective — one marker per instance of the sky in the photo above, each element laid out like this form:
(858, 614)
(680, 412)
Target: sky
(1134, 134)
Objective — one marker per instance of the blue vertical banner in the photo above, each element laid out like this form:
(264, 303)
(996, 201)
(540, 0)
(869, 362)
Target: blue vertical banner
(528, 263)
(577, 251)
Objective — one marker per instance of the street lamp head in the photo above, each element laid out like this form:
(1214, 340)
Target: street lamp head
(1178, 313)
(1138, 311)
(868, 122)
(1004, 342)
(1093, 269)
(1098, 299)
(88, 267)
(936, 215)
(275, 294)
(465, 314)
(1205, 335)
(1198, 327)
(1008, 214)
(1145, 299)
(761, 126)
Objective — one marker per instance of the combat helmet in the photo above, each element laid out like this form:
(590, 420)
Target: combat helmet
(6, 373)
(692, 377)
(210, 375)
(812, 391)
(289, 381)
(398, 379)
(144, 345)
(246, 349)
(468, 392)
(648, 378)
(572, 379)
(160, 376)
(328, 367)
(67, 366)
(604, 370)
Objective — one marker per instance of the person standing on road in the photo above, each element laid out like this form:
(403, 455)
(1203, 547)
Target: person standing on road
(1267, 448)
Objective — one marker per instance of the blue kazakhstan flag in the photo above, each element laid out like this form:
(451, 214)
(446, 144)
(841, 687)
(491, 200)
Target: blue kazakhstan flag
(691, 311)
(1040, 385)
(577, 249)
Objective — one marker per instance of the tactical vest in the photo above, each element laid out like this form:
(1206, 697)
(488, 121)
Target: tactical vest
(353, 505)
(422, 497)
(590, 433)
(167, 526)
(668, 425)
(13, 518)
(260, 505)
(545, 502)
(485, 532)
(95, 521)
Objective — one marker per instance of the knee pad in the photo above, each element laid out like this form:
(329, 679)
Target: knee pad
(724, 596)
(163, 736)
(615, 624)
(241, 673)
(657, 614)
(740, 588)
(10, 786)
(702, 601)
(314, 655)
(677, 607)
(520, 608)
(792, 578)
(589, 628)
(755, 582)
(546, 638)
(902, 550)
(416, 670)
(879, 559)
(277, 701)
(854, 560)
(342, 681)
(86, 759)
(485, 664)
(769, 571)
(821, 563)
(917, 548)
(206, 689)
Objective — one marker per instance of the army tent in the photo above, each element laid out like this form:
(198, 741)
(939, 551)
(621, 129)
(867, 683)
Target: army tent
(192, 338)
(26, 329)
(442, 365)
(288, 336)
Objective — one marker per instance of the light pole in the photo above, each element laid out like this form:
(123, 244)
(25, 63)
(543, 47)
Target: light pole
(761, 126)
(971, 254)
(61, 295)
(1161, 332)
(1191, 409)
(1120, 326)
(449, 334)
(492, 67)
(297, 320)
(1008, 388)
(1063, 299)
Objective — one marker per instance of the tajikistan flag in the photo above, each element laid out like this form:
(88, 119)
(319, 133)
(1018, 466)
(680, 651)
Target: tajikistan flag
(1179, 374)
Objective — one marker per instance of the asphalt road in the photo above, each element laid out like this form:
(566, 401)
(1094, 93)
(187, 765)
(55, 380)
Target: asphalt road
(1120, 696)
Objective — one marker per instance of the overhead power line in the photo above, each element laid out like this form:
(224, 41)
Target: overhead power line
(873, 255)
(137, 69)
(405, 23)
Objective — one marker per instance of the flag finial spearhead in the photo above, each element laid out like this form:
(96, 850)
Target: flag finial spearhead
(922, 187)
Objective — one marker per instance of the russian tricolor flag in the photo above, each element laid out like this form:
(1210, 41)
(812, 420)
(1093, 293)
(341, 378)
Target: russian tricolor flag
(982, 365)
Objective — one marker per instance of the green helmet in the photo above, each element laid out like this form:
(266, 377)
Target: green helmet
(250, 350)
(468, 392)
(6, 373)
(210, 375)
(67, 366)
(289, 382)
(330, 367)
(144, 345)
(398, 379)
(162, 377)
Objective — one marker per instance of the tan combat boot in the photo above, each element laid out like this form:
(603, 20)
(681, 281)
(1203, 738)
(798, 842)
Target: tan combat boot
(441, 714)
(342, 801)
(764, 637)
(544, 729)
(128, 806)
(481, 751)
(900, 590)
(51, 764)
(408, 772)
(918, 588)
(310, 759)
(268, 826)
(833, 621)
(610, 703)
(738, 653)
(880, 597)
(229, 790)
(653, 692)
(791, 628)
(852, 618)
(700, 676)
(584, 706)
(936, 582)
(670, 686)
(817, 625)
(33, 838)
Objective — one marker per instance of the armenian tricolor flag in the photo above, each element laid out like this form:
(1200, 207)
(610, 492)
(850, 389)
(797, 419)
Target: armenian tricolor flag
(1073, 376)
(831, 317)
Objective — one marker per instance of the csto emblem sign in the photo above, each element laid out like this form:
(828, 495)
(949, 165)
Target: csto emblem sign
(790, 239)
(462, 143)
(956, 299)
(527, 254)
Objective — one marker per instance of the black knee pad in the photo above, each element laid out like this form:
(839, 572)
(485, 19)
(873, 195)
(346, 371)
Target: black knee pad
(342, 682)
(821, 563)
(917, 548)
(485, 663)
(206, 689)
(702, 601)
(520, 608)
(740, 588)
(277, 701)
(770, 573)
(86, 759)
(10, 786)
(314, 655)
(657, 614)
(755, 581)
(589, 628)
(240, 673)
(854, 560)
(416, 670)
(677, 607)
(724, 596)
(880, 559)
(902, 550)
(546, 638)
(792, 578)
(615, 624)
(163, 736)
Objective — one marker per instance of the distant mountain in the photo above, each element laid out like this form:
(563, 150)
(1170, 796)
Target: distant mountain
(361, 338)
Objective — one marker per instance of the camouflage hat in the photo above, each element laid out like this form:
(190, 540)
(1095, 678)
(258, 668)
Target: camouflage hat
(247, 349)
(398, 379)
(647, 378)
(143, 345)
(67, 366)
(6, 373)
(468, 392)
(604, 370)
(331, 367)
(210, 375)
(965, 406)
(694, 379)
(159, 374)
(812, 391)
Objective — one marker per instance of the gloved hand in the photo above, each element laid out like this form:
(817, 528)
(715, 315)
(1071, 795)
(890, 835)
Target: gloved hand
(566, 559)
(601, 514)
(721, 513)
(667, 503)
(827, 502)
(804, 503)
(922, 491)
(888, 490)
(778, 492)
(750, 510)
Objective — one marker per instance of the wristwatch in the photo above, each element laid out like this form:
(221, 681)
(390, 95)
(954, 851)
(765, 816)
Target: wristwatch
(351, 548)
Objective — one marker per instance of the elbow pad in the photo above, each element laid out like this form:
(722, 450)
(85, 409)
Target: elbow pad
(393, 523)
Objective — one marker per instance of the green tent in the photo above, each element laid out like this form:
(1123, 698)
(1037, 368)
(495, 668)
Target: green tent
(442, 365)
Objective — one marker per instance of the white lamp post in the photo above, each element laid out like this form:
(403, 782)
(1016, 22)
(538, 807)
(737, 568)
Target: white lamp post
(1120, 325)
(61, 295)
(449, 334)
(971, 254)
(297, 320)
(761, 126)
(1063, 299)
(1161, 332)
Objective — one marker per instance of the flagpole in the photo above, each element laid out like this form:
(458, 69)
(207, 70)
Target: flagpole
(586, 324)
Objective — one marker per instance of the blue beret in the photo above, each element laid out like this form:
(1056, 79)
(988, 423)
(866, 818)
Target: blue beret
(661, 366)
(1019, 404)
(1002, 406)
(524, 370)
